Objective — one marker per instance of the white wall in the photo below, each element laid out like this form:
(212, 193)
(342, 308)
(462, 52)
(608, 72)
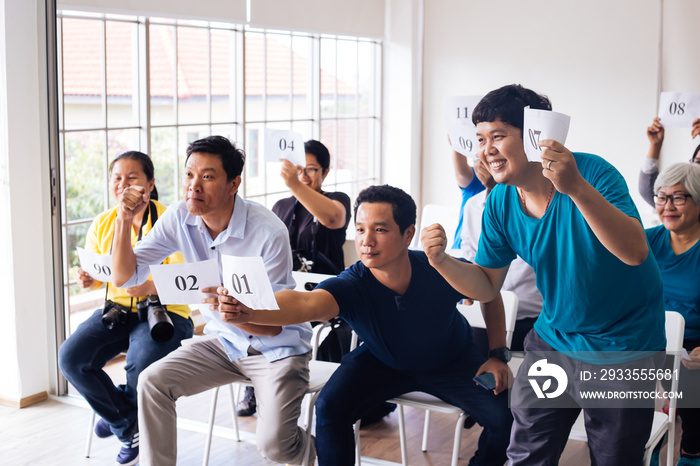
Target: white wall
(596, 60)
(27, 338)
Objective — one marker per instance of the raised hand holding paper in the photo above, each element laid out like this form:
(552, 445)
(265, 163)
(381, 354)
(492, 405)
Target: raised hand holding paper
(678, 109)
(458, 120)
(284, 144)
(246, 279)
(182, 283)
(96, 265)
(539, 125)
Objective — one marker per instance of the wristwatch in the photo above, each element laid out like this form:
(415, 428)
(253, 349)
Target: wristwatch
(500, 353)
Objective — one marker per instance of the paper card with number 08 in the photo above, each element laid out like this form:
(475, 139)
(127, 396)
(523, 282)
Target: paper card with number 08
(98, 266)
(183, 283)
(678, 109)
(539, 125)
(284, 144)
(246, 279)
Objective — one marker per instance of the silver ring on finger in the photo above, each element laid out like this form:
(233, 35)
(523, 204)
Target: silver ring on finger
(549, 165)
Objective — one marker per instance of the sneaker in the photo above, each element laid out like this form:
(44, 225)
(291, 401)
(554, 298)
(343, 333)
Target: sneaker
(102, 429)
(247, 406)
(129, 454)
(688, 460)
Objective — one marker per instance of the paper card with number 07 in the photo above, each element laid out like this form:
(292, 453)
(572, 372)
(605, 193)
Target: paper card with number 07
(539, 125)
(183, 283)
(246, 279)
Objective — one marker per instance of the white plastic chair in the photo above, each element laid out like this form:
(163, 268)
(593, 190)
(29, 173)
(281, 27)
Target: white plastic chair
(663, 423)
(447, 216)
(431, 403)
(319, 374)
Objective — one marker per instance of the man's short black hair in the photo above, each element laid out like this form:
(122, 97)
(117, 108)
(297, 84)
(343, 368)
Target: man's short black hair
(232, 158)
(402, 205)
(507, 104)
(318, 150)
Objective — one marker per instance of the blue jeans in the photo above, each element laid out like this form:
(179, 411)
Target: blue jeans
(83, 355)
(362, 381)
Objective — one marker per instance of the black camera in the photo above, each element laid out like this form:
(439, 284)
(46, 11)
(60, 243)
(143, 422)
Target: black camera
(152, 311)
(113, 313)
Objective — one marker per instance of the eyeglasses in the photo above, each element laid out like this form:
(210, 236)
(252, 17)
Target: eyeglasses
(676, 199)
(310, 172)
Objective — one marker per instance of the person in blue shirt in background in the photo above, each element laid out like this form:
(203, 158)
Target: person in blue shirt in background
(469, 185)
(572, 219)
(676, 246)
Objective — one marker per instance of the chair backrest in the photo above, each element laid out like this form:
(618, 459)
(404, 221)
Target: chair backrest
(476, 319)
(675, 328)
(447, 216)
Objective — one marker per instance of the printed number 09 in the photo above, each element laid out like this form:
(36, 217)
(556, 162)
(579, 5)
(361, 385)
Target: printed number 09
(465, 144)
(103, 269)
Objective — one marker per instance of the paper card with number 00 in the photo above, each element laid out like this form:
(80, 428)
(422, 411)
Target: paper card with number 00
(98, 266)
(539, 125)
(678, 109)
(246, 279)
(183, 283)
(284, 144)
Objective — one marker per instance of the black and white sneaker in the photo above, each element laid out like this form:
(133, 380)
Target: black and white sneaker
(129, 454)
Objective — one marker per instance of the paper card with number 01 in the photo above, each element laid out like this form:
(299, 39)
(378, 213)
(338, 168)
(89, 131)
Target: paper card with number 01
(98, 266)
(183, 283)
(246, 279)
(284, 144)
(539, 125)
(678, 109)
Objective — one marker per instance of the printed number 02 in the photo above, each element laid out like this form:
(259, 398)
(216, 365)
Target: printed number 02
(181, 283)
(237, 284)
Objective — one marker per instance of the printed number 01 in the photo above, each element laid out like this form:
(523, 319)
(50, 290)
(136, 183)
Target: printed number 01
(237, 285)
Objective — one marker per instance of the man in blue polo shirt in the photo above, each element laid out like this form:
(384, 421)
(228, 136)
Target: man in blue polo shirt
(414, 337)
(572, 219)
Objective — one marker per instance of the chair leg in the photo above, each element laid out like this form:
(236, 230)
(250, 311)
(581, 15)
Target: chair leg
(358, 452)
(458, 439)
(402, 436)
(309, 416)
(234, 415)
(91, 427)
(426, 426)
(212, 412)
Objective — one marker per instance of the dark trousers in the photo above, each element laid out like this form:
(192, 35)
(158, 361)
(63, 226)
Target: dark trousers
(616, 436)
(83, 355)
(522, 328)
(362, 381)
(689, 383)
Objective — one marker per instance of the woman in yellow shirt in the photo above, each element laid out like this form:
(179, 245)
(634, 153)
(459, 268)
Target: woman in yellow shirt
(118, 327)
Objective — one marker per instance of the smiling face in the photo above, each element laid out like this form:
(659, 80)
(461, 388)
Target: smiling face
(501, 149)
(378, 241)
(128, 172)
(206, 188)
(677, 218)
(315, 176)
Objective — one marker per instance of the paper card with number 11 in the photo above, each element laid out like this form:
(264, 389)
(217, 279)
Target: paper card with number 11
(678, 110)
(539, 125)
(183, 283)
(458, 120)
(284, 144)
(96, 265)
(246, 279)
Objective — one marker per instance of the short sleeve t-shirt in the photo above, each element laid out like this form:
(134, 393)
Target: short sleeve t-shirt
(592, 300)
(472, 188)
(420, 330)
(679, 273)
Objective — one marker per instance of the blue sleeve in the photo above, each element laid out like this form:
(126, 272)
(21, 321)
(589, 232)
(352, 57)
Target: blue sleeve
(607, 181)
(158, 244)
(277, 256)
(472, 188)
(494, 251)
(345, 289)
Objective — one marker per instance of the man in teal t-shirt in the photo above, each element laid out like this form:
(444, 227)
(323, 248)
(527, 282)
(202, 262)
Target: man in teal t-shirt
(571, 218)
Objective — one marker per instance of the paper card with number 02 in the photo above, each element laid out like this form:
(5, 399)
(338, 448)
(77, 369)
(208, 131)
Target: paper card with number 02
(284, 144)
(678, 109)
(183, 283)
(539, 125)
(98, 266)
(246, 279)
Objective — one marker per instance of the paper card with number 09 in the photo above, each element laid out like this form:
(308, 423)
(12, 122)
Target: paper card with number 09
(98, 266)
(246, 279)
(284, 144)
(183, 283)
(678, 109)
(539, 125)
(463, 140)
(458, 121)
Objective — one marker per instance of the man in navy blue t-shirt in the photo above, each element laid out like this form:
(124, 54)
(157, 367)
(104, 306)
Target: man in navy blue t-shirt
(414, 337)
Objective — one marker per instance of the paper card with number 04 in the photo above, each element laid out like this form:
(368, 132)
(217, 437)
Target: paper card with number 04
(183, 283)
(98, 266)
(539, 125)
(284, 144)
(246, 279)
(678, 110)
